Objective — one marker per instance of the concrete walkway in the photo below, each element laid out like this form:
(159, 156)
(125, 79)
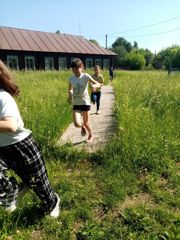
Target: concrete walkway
(103, 125)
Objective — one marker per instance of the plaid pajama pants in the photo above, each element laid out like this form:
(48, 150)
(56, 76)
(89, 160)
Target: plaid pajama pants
(25, 159)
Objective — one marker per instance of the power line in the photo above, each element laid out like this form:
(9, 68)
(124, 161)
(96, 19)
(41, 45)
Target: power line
(146, 26)
(152, 34)
(137, 28)
(146, 35)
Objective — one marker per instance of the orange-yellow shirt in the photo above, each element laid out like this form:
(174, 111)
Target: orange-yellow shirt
(99, 78)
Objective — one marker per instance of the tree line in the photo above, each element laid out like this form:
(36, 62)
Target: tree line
(134, 58)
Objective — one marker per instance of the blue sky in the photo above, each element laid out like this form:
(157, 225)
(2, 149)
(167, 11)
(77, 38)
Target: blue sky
(95, 18)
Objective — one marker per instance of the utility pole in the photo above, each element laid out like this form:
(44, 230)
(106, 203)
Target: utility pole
(106, 41)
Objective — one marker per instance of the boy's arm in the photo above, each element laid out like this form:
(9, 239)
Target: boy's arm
(70, 92)
(8, 124)
(94, 82)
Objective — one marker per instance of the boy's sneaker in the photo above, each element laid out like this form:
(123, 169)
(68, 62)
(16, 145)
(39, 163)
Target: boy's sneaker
(22, 190)
(11, 208)
(56, 211)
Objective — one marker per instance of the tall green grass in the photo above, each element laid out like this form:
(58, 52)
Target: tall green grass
(102, 193)
(43, 104)
(148, 111)
(142, 159)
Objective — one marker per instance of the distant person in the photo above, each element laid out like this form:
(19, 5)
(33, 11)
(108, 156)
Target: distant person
(78, 94)
(96, 93)
(111, 73)
(19, 152)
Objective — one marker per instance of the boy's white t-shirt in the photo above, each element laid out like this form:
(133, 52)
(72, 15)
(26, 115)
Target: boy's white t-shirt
(8, 108)
(80, 89)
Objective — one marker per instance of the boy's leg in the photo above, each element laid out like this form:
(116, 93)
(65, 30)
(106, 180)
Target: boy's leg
(85, 115)
(86, 122)
(93, 97)
(98, 100)
(25, 159)
(78, 122)
(77, 119)
(8, 187)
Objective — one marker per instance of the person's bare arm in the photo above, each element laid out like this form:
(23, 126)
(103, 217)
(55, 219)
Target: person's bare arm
(95, 83)
(8, 124)
(70, 92)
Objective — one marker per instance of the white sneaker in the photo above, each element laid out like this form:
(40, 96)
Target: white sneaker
(11, 208)
(56, 211)
(22, 190)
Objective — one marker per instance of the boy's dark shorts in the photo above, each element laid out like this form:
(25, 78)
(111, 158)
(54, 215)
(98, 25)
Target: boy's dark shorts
(81, 108)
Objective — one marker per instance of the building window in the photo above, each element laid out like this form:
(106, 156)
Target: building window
(106, 63)
(89, 62)
(12, 62)
(98, 61)
(62, 63)
(29, 63)
(49, 63)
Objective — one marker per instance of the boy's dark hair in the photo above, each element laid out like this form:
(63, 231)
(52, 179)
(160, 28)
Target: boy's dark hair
(77, 63)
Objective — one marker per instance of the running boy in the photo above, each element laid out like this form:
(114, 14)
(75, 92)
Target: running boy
(96, 93)
(78, 92)
(19, 152)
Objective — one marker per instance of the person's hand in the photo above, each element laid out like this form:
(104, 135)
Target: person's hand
(70, 98)
(93, 88)
(99, 85)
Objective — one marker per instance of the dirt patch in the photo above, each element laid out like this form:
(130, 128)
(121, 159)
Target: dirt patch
(36, 235)
(99, 213)
(141, 199)
(134, 201)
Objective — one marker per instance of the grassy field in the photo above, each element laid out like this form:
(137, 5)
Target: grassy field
(130, 190)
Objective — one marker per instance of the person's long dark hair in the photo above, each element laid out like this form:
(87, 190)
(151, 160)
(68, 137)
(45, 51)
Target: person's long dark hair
(6, 81)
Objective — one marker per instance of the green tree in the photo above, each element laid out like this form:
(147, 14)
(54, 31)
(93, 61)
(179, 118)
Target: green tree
(119, 60)
(135, 45)
(176, 60)
(148, 55)
(94, 41)
(125, 60)
(169, 57)
(122, 42)
(135, 61)
(58, 32)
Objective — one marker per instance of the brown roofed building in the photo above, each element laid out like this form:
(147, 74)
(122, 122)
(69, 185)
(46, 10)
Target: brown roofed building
(35, 50)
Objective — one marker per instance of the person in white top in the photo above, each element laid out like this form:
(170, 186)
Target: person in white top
(79, 96)
(19, 152)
